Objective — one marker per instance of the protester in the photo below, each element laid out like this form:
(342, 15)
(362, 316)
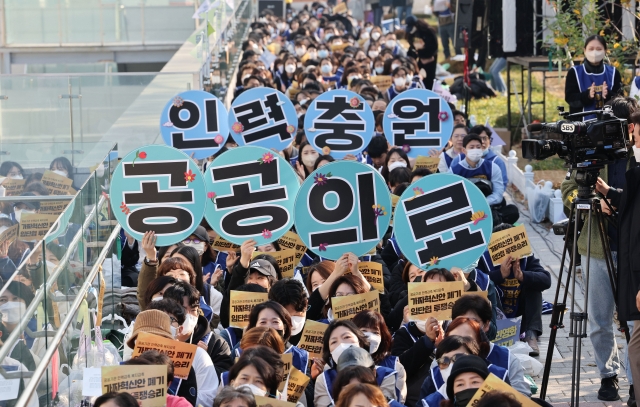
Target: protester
(447, 157)
(114, 399)
(291, 294)
(361, 395)
(238, 397)
(11, 169)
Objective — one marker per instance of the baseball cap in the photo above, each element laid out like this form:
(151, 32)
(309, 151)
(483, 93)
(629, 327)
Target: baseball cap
(201, 234)
(463, 364)
(354, 356)
(263, 267)
(32, 205)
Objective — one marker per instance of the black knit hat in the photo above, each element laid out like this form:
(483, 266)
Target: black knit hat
(463, 364)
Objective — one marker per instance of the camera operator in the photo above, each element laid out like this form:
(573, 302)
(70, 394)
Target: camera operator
(628, 277)
(601, 312)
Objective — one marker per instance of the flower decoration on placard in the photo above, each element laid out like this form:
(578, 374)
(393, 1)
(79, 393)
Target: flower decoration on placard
(433, 261)
(418, 191)
(321, 179)
(189, 176)
(478, 216)
(406, 148)
(139, 154)
(443, 116)
(322, 247)
(266, 158)
(291, 129)
(167, 124)
(212, 195)
(218, 139)
(125, 209)
(237, 127)
(378, 210)
(178, 101)
(354, 102)
(267, 234)
(326, 150)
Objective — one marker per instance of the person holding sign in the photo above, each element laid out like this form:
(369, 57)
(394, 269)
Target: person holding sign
(521, 283)
(63, 167)
(247, 271)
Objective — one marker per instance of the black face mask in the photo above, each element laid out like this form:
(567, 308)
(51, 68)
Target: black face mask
(280, 332)
(462, 398)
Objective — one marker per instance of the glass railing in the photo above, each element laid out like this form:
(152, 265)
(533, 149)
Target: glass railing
(97, 22)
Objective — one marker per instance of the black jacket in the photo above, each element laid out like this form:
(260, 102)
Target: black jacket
(576, 99)
(415, 357)
(628, 276)
(217, 348)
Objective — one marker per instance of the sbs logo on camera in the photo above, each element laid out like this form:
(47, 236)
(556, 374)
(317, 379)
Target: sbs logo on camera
(567, 127)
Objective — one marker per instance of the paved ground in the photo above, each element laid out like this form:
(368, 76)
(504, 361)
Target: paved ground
(548, 248)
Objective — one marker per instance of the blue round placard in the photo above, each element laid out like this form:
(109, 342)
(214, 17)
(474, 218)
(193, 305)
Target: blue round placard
(263, 117)
(158, 188)
(343, 206)
(195, 122)
(418, 120)
(251, 193)
(442, 220)
(339, 122)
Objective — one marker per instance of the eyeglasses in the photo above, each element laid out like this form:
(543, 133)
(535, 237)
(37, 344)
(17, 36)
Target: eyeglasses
(485, 138)
(174, 322)
(458, 136)
(194, 241)
(445, 361)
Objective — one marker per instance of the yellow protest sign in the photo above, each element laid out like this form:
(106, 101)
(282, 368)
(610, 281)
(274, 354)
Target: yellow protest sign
(372, 272)
(240, 305)
(430, 163)
(286, 260)
(291, 240)
(181, 353)
(492, 382)
(34, 226)
(287, 360)
(348, 306)
(298, 381)
(9, 235)
(13, 187)
(222, 245)
(311, 339)
(53, 207)
(340, 8)
(433, 299)
(382, 82)
(513, 242)
(269, 402)
(339, 47)
(146, 383)
(57, 184)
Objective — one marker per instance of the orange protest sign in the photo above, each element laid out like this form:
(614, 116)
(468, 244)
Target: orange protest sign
(433, 299)
(285, 259)
(291, 240)
(382, 82)
(511, 242)
(34, 226)
(430, 163)
(240, 305)
(492, 382)
(311, 339)
(181, 353)
(57, 184)
(13, 187)
(146, 383)
(372, 272)
(348, 306)
(222, 245)
(9, 235)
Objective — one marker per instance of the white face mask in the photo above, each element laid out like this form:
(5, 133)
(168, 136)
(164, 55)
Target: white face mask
(60, 172)
(189, 324)
(12, 311)
(421, 325)
(323, 53)
(397, 164)
(160, 298)
(374, 341)
(636, 153)
(198, 246)
(474, 155)
(290, 68)
(446, 372)
(16, 177)
(399, 82)
(390, 43)
(174, 330)
(257, 391)
(297, 325)
(309, 159)
(373, 54)
(281, 69)
(18, 213)
(335, 354)
(50, 266)
(594, 56)
(313, 55)
(364, 36)
(394, 66)
(375, 36)
(300, 51)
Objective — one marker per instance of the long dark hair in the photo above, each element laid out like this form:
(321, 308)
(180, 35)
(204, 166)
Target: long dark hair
(385, 169)
(192, 255)
(278, 309)
(362, 340)
(374, 320)
(266, 361)
(155, 286)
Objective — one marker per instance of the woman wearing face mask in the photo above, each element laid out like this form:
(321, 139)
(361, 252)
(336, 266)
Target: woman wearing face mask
(400, 84)
(378, 66)
(434, 389)
(467, 376)
(11, 169)
(373, 51)
(291, 294)
(374, 327)
(307, 157)
(339, 336)
(27, 207)
(270, 314)
(196, 329)
(157, 287)
(260, 370)
(13, 304)
(284, 80)
(62, 166)
(395, 155)
(350, 74)
(592, 83)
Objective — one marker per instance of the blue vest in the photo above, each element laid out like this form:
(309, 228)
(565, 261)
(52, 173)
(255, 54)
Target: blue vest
(392, 92)
(499, 356)
(481, 171)
(447, 159)
(637, 81)
(389, 362)
(300, 358)
(482, 280)
(331, 374)
(233, 339)
(585, 80)
(491, 156)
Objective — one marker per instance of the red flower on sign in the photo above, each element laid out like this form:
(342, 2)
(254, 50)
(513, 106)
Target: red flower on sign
(266, 234)
(322, 247)
(142, 155)
(406, 148)
(291, 128)
(218, 139)
(443, 116)
(266, 158)
(189, 176)
(237, 127)
(354, 102)
(125, 209)
(139, 154)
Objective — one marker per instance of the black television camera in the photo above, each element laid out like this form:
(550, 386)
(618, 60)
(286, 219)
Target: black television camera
(585, 144)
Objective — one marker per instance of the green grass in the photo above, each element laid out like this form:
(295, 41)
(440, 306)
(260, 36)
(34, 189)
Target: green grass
(551, 163)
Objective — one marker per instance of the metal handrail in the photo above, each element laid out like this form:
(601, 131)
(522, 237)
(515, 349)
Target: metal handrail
(19, 198)
(30, 389)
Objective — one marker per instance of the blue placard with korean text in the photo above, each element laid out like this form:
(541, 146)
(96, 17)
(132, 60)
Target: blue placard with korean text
(158, 188)
(339, 123)
(251, 192)
(344, 206)
(196, 123)
(442, 220)
(263, 117)
(418, 120)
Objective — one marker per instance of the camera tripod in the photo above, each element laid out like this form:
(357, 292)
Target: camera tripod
(586, 203)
